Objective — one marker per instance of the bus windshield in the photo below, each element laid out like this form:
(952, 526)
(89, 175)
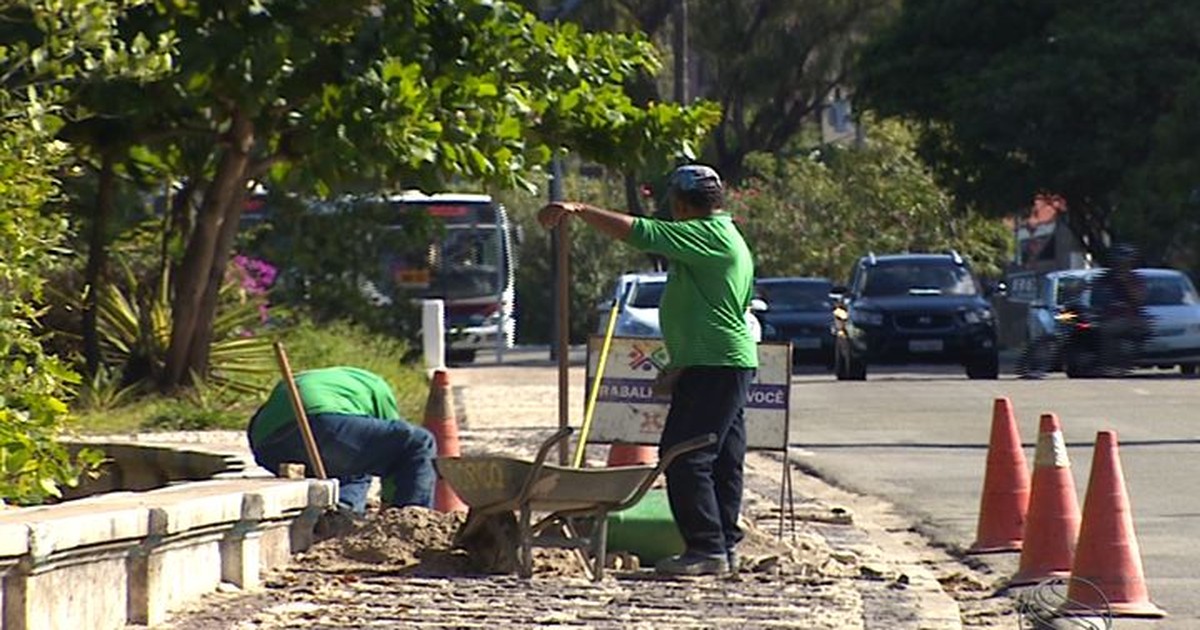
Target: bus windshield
(466, 256)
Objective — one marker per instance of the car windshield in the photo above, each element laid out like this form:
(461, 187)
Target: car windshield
(1170, 291)
(1070, 289)
(918, 279)
(646, 294)
(796, 296)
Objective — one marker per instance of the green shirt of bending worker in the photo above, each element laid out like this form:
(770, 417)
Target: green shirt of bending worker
(713, 355)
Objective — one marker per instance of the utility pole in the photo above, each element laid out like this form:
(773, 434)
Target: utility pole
(680, 51)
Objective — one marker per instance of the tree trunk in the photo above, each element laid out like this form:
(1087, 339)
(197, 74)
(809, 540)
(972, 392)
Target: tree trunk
(97, 262)
(191, 283)
(202, 340)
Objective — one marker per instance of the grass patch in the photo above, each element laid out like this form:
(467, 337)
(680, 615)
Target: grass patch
(309, 346)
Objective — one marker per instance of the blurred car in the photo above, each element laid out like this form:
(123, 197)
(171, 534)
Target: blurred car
(1173, 309)
(1057, 291)
(637, 296)
(799, 310)
(914, 308)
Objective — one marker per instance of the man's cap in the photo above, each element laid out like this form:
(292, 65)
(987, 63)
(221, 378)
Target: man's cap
(696, 177)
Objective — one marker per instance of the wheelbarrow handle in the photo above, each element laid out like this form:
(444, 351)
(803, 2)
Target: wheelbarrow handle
(673, 453)
(539, 461)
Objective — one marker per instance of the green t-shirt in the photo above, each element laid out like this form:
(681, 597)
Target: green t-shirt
(709, 288)
(344, 390)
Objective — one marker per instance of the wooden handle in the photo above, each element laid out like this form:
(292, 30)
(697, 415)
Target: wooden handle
(310, 443)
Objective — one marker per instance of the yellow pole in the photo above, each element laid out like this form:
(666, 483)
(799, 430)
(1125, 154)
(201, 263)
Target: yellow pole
(595, 393)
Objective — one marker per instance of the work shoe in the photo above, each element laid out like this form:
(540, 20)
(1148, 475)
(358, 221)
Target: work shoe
(690, 564)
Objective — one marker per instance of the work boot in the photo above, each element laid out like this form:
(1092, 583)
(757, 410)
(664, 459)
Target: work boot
(692, 564)
(731, 557)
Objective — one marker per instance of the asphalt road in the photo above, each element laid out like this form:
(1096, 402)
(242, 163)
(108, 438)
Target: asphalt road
(918, 438)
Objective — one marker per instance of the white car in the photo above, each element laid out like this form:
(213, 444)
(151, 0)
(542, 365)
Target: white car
(637, 296)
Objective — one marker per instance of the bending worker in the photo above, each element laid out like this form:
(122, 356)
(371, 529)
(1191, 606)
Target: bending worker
(712, 355)
(359, 433)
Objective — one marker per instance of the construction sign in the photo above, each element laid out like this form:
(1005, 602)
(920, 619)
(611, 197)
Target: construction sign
(628, 411)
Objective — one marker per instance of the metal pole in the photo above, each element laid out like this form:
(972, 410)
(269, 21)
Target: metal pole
(556, 194)
(680, 51)
(562, 235)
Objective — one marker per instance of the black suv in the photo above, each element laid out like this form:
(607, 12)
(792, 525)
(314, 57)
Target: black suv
(914, 308)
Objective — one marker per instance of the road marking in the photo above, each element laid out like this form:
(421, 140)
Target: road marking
(1140, 391)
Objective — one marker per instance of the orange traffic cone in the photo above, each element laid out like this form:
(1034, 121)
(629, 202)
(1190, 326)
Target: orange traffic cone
(1108, 564)
(1052, 523)
(626, 454)
(440, 421)
(1005, 486)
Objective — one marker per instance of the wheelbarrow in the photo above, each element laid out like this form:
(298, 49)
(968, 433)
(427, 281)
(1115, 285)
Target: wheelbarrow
(572, 498)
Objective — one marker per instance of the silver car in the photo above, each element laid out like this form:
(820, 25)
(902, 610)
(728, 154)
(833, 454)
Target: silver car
(1173, 308)
(637, 296)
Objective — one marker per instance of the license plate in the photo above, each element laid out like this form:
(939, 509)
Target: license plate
(925, 345)
(806, 343)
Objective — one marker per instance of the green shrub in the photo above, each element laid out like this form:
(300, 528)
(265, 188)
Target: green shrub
(312, 345)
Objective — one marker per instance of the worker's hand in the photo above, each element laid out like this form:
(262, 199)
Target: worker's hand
(551, 215)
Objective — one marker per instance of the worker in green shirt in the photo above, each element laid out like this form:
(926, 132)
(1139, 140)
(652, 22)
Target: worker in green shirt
(359, 433)
(713, 356)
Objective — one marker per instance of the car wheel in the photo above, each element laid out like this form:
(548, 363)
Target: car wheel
(1187, 369)
(987, 368)
(846, 367)
(1081, 364)
(460, 357)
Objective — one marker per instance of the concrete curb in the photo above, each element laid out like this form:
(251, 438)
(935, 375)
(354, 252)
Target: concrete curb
(132, 557)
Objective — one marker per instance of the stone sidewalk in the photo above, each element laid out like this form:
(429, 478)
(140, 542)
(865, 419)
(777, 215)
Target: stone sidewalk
(862, 578)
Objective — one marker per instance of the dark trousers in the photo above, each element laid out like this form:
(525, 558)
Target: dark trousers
(355, 447)
(705, 486)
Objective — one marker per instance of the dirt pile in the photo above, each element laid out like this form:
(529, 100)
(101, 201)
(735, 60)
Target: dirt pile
(417, 541)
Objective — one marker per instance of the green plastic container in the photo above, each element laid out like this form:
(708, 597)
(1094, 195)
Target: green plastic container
(647, 529)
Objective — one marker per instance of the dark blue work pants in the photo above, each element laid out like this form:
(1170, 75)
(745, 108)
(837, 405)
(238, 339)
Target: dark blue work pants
(705, 486)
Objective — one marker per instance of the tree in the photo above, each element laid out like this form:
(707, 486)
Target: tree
(773, 66)
(1069, 98)
(322, 95)
(816, 213)
(44, 48)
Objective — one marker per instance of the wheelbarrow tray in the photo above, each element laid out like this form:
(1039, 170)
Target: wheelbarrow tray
(493, 484)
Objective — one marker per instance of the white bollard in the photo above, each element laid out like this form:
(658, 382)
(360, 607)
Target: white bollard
(433, 333)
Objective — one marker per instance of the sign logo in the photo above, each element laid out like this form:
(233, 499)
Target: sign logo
(647, 357)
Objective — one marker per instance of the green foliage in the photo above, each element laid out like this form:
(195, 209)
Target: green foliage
(815, 214)
(134, 324)
(595, 263)
(42, 44)
(775, 65)
(202, 408)
(312, 345)
(1074, 98)
(308, 242)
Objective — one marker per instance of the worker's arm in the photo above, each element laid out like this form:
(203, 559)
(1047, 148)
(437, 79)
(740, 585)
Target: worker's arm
(614, 224)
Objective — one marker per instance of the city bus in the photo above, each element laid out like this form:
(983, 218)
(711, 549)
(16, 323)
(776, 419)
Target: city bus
(468, 263)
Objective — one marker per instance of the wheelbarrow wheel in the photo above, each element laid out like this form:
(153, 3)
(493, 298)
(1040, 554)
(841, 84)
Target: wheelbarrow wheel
(490, 541)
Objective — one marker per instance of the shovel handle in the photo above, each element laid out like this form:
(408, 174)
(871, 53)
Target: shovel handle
(310, 443)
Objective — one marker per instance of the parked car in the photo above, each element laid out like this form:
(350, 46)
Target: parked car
(1057, 291)
(637, 296)
(914, 308)
(1173, 308)
(799, 310)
